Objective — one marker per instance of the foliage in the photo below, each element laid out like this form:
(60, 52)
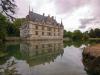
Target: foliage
(7, 7)
(16, 25)
(8, 28)
(3, 23)
(85, 35)
(94, 33)
(12, 30)
(67, 34)
(77, 35)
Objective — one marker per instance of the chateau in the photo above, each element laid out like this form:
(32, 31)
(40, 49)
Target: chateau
(40, 27)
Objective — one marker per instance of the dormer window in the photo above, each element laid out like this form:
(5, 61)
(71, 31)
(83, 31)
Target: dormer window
(36, 27)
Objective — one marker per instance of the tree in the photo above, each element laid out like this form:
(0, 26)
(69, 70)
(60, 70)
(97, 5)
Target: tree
(18, 22)
(85, 35)
(77, 35)
(3, 23)
(97, 33)
(12, 30)
(91, 33)
(7, 7)
(7, 28)
(67, 34)
(94, 33)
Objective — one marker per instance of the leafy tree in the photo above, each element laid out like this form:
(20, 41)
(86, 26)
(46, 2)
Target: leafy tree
(7, 28)
(12, 30)
(67, 34)
(18, 22)
(3, 23)
(77, 35)
(91, 33)
(94, 33)
(7, 7)
(97, 33)
(85, 35)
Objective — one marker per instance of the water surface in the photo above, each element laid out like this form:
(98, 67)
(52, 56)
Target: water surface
(41, 58)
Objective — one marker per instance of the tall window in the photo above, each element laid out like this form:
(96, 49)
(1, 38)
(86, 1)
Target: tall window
(58, 34)
(49, 34)
(42, 28)
(36, 27)
(54, 30)
(49, 29)
(36, 46)
(54, 34)
(42, 33)
(36, 33)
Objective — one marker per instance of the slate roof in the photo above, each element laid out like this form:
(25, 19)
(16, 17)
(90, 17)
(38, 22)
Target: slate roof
(41, 18)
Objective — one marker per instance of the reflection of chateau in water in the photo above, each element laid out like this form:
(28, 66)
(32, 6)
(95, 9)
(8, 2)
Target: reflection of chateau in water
(39, 52)
(28, 54)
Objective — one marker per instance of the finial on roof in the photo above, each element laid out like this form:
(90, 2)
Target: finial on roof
(43, 14)
(29, 7)
(55, 17)
(61, 22)
(52, 17)
(32, 10)
(48, 15)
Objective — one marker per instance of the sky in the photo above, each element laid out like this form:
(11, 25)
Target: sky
(75, 14)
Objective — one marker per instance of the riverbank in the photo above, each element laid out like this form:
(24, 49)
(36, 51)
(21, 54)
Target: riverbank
(94, 39)
(93, 50)
(91, 59)
(24, 39)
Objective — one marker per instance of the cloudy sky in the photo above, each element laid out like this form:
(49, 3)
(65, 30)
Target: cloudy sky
(75, 14)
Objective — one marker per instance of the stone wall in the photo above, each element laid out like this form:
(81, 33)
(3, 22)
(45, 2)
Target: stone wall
(35, 30)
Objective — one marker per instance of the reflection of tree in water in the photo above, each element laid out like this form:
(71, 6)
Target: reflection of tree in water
(9, 50)
(76, 44)
(92, 64)
(8, 68)
(3, 53)
(79, 43)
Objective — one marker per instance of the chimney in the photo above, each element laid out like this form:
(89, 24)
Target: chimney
(43, 14)
(49, 16)
(52, 17)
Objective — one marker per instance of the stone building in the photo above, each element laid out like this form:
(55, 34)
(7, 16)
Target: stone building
(41, 27)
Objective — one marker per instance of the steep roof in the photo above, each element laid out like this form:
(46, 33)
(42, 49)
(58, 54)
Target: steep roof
(41, 18)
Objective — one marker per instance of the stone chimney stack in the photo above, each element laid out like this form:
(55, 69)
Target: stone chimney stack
(43, 14)
(52, 17)
(48, 16)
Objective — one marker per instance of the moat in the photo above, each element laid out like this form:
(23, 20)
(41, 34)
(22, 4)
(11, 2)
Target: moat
(42, 58)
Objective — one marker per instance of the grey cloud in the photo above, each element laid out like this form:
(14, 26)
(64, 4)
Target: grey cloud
(64, 6)
(96, 8)
(22, 8)
(61, 6)
(84, 22)
(82, 27)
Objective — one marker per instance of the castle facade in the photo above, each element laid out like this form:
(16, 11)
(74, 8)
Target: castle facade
(40, 27)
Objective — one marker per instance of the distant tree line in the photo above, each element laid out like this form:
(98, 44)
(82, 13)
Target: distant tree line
(78, 35)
